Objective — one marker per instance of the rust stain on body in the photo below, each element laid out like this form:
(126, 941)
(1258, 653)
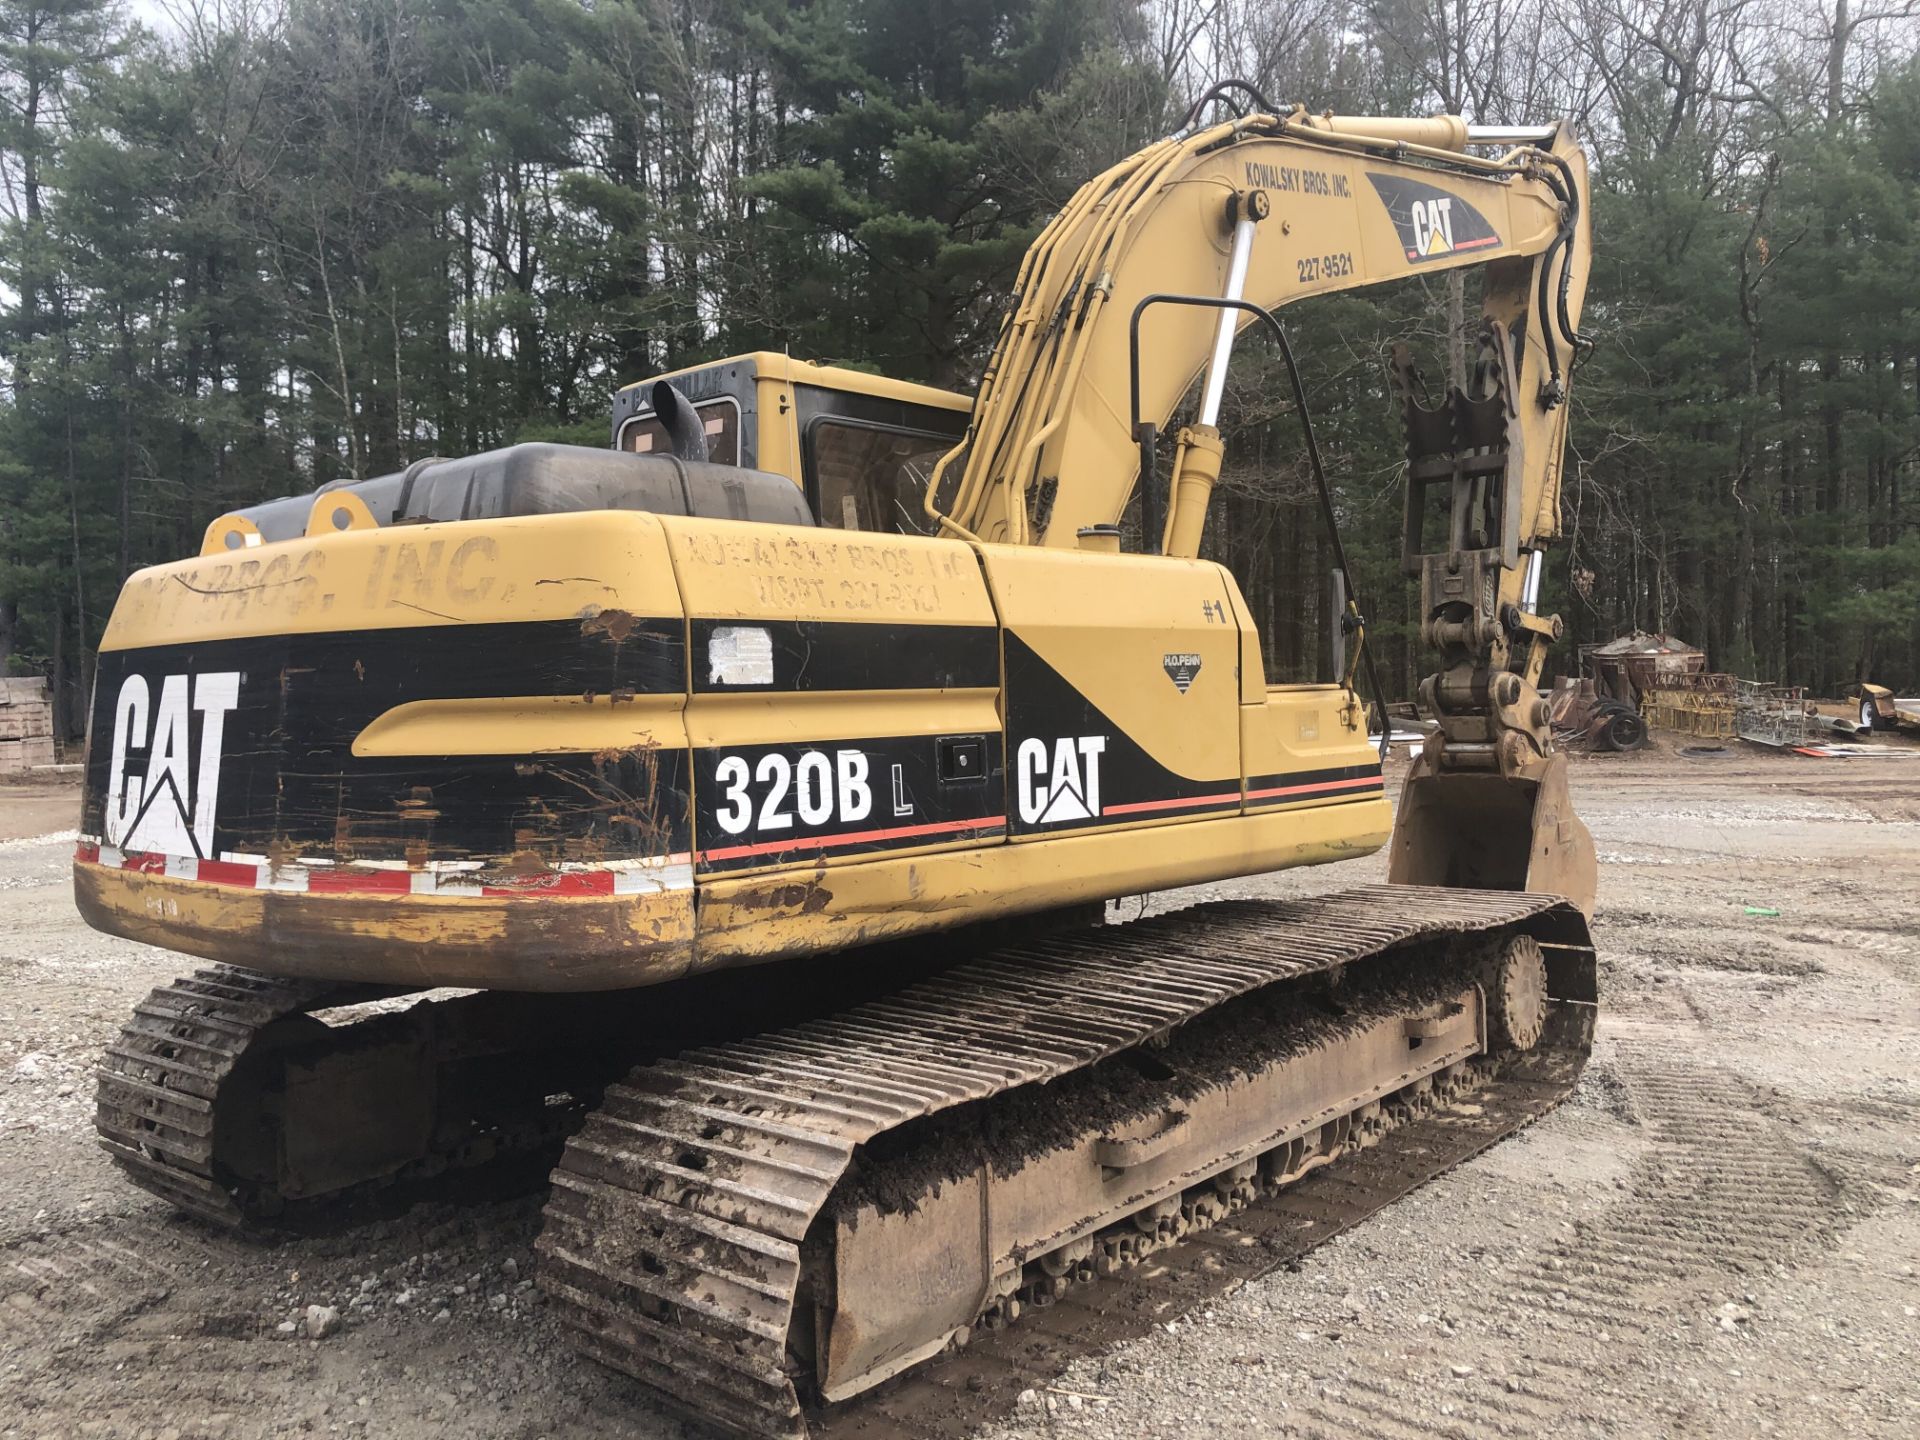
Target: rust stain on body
(616, 625)
(806, 897)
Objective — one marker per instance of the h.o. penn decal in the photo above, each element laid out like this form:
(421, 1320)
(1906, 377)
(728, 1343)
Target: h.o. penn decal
(1182, 667)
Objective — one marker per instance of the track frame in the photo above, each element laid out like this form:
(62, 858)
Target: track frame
(684, 1239)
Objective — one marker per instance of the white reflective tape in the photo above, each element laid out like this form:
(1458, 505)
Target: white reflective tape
(653, 880)
(637, 875)
(432, 881)
(637, 862)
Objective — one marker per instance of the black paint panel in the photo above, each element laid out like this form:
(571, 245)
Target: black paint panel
(753, 785)
(1043, 706)
(842, 655)
(1133, 786)
(289, 782)
(1467, 228)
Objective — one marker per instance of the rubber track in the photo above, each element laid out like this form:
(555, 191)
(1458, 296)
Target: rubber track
(158, 1083)
(673, 1238)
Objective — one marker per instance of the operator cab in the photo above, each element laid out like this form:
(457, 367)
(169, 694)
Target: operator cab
(861, 447)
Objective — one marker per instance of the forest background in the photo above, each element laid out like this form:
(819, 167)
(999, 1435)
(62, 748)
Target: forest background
(251, 246)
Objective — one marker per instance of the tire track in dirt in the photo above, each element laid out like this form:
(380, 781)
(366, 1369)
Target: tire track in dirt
(1726, 1191)
(85, 1302)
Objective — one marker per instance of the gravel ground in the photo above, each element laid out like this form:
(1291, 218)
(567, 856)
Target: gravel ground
(1718, 1235)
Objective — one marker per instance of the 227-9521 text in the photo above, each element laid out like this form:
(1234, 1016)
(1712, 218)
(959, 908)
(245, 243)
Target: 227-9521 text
(1314, 268)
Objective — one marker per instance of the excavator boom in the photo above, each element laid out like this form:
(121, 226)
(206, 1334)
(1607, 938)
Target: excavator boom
(1270, 210)
(1258, 212)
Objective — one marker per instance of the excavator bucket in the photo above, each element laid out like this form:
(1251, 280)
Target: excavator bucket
(1485, 831)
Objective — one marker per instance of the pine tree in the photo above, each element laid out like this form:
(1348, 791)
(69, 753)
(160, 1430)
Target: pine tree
(902, 226)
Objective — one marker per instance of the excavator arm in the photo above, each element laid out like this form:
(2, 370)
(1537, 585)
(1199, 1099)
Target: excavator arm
(1263, 210)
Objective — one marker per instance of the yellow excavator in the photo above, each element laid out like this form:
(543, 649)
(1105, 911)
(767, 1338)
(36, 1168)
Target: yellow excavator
(496, 787)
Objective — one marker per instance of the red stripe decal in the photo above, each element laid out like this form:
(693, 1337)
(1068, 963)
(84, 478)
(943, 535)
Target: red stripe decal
(1480, 244)
(1188, 802)
(1324, 787)
(821, 842)
(333, 880)
(349, 880)
(1185, 802)
(225, 872)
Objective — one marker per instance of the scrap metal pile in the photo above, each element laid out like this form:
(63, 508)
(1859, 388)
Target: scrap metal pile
(1642, 681)
(1770, 714)
(1698, 705)
(1583, 718)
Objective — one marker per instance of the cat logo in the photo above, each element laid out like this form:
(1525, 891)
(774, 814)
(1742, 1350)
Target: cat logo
(1068, 788)
(1432, 223)
(168, 807)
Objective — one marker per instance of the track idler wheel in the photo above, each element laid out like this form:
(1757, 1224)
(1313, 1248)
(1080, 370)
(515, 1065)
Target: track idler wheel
(1517, 993)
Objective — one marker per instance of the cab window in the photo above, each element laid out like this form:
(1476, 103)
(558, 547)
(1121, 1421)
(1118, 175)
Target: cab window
(873, 477)
(645, 435)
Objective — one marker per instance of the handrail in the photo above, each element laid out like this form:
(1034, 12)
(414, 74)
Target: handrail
(1147, 433)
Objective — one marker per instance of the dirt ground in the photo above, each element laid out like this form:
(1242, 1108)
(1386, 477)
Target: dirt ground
(1718, 1235)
